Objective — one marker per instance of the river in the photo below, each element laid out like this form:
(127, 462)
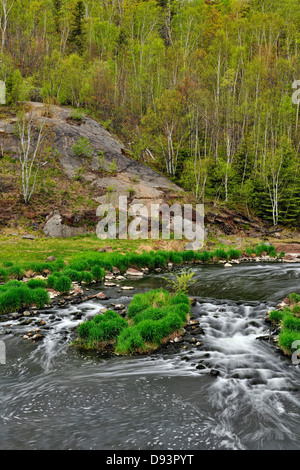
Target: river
(55, 397)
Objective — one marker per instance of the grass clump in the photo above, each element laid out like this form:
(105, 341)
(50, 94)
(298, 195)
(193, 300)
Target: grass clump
(101, 328)
(35, 283)
(286, 339)
(15, 295)
(129, 342)
(289, 321)
(62, 284)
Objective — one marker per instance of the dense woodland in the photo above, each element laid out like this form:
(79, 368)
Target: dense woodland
(201, 90)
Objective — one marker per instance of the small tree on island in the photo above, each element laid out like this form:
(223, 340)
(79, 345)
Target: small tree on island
(180, 283)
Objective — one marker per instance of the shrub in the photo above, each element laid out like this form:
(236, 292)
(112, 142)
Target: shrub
(16, 296)
(83, 148)
(180, 298)
(174, 322)
(188, 255)
(77, 115)
(79, 265)
(181, 283)
(182, 310)
(175, 258)
(151, 313)
(154, 316)
(153, 331)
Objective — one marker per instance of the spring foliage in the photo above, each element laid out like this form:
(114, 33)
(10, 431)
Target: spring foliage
(202, 89)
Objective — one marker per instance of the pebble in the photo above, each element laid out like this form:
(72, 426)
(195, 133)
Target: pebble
(178, 339)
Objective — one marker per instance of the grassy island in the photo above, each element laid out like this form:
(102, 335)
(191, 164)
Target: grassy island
(152, 318)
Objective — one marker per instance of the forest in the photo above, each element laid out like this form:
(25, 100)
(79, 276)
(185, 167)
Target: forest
(200, 90)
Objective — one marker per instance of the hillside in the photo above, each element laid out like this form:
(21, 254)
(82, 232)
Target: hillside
(204, 92)
(72, 184)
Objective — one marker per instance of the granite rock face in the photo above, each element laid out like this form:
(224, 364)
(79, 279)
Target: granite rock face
(130, 178)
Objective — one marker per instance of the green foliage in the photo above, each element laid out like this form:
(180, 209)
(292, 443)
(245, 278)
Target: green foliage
(289, 320)
(276, 316)
(73, 274)
(233, 253)
(120, 63)
(130, 341)
(98, 273)
(286, 339)
(14, 87)
(77, 115)
(77, 34)
(3, 275)
(83, 148)
(35, 283)
(220, 253)
(15, 295)
(62, 284)
(101, 328)
(87, 277)
(292, 323)
(180, 283)
(294, 298)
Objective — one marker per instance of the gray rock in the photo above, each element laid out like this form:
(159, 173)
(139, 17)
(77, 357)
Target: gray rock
(54, 227)
(50, 258)
(149, 186)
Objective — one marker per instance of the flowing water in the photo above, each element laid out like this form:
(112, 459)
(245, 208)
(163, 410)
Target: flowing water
(55, 397)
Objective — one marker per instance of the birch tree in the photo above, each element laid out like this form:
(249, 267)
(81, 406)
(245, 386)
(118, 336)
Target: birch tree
(6, 6)
(29, 154)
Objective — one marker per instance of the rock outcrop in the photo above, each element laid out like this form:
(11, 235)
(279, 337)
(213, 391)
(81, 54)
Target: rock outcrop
(129, 177)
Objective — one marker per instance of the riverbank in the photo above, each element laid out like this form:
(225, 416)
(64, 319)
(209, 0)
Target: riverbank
(15, 248)
(57, 274)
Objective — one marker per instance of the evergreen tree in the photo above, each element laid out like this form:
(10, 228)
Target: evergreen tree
(77, 35)
(57, 5)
